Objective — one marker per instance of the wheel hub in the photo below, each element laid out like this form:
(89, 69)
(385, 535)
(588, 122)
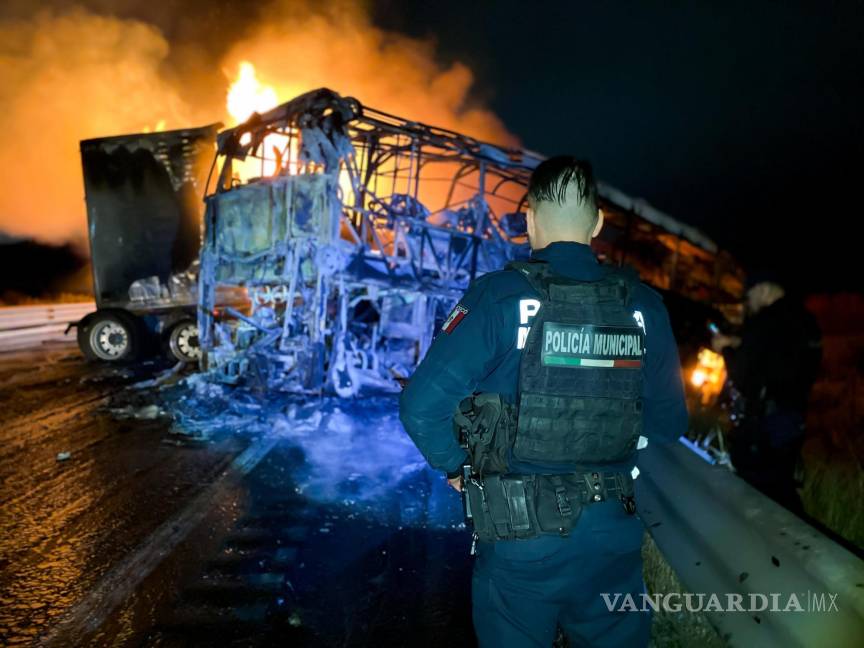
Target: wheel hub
(109, 340)
(184, 342)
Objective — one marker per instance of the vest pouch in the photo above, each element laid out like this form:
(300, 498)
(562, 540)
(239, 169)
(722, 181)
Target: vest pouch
(566, 430)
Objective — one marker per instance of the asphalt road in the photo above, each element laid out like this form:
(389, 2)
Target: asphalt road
(295, 521)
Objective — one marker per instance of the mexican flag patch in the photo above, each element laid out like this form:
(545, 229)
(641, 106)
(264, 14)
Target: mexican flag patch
(456, 316)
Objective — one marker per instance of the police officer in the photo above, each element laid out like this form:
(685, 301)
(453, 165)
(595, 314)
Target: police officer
(773, 365)
(567, 367)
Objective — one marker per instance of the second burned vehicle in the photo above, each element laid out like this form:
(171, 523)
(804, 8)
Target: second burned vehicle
(353, 232)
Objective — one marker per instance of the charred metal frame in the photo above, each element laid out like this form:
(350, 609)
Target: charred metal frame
(346, 268)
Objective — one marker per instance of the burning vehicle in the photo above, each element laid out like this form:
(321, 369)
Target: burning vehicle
(354, 232)
(336, 238)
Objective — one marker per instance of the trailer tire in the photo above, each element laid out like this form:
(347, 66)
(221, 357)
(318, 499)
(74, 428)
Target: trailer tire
(183, 341)
(110, 336)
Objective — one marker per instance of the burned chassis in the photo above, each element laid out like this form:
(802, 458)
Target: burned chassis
(346, 268)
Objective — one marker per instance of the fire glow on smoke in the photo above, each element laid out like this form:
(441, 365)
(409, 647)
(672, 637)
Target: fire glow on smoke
(78, 74)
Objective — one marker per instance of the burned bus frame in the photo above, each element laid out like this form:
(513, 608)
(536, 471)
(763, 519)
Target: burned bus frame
(347, 262)
(354, 231)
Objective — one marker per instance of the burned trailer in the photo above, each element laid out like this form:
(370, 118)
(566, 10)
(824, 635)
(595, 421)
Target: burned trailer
(353, 232)
(143, 194)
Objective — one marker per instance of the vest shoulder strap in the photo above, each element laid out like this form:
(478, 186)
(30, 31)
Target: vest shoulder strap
(535, 272)
(540, 276)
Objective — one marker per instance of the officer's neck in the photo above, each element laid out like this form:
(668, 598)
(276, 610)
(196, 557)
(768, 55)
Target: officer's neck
(541, 243)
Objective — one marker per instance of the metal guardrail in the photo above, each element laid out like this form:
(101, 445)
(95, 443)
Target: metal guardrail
(22, 327)
(721, 536)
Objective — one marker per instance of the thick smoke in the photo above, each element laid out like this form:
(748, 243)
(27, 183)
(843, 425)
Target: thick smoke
(64, 78)
(67, 75)
(341, 49)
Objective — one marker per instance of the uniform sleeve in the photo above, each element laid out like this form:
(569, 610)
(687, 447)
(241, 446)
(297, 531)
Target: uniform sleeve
(460, 357)
(664, 412)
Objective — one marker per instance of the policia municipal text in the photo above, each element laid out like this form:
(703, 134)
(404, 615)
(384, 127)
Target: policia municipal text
(553, 372)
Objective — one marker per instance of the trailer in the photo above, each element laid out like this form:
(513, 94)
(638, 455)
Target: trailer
(144, 208)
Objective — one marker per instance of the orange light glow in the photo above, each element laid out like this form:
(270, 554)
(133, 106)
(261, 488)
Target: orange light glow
(708, 375)
(72, 90)
(160, 126)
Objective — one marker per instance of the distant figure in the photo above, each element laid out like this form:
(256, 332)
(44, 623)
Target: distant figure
(773, 365)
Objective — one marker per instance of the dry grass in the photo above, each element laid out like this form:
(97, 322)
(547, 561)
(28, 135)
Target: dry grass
(674, 629)
(833, 455)
(834, 489)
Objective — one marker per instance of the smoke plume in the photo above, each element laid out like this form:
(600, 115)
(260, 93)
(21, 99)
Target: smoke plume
(68, 75)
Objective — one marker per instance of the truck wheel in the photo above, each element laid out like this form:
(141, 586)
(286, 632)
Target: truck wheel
(183, 343)
(109, 337)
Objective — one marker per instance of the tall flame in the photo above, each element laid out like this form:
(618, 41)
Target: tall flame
(248, 95)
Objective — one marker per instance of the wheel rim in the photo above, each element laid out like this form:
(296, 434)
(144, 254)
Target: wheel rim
(109, 340)
(184, 342)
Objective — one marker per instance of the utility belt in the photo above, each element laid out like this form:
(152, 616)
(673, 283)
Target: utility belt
(509, 507)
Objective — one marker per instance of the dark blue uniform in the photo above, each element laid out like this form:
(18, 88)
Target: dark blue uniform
(523, 588)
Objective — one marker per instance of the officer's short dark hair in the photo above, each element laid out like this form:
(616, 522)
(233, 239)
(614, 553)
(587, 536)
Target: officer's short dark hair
(552, 177)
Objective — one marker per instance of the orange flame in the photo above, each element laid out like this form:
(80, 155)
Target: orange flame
(248, 95)
(709, 374)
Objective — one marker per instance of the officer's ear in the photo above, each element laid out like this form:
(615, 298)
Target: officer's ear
(529, 223)
(599, 225)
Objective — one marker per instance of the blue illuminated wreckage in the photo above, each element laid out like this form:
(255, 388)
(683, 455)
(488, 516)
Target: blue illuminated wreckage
(353, 232)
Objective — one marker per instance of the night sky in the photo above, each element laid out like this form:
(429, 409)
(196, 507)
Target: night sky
(743, 119)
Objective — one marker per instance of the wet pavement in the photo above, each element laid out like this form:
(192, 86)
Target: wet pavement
(299, 571)
(337, 535)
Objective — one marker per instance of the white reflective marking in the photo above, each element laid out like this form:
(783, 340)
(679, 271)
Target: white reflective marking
(637, 315)
(635, 472)
(527, 309)
(642, 443)
(522, 337)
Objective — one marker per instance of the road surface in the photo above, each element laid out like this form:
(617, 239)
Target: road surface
(117, 530)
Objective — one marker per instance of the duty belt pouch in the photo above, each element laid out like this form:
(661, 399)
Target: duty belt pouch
(503, 507)
(626, 492)
(480, 515)
(559, 503)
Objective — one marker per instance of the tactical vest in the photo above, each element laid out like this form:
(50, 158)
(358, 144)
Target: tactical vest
(579, 402)
(580, 377)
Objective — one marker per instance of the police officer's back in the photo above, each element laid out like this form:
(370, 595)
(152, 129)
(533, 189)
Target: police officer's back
(572, 364)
